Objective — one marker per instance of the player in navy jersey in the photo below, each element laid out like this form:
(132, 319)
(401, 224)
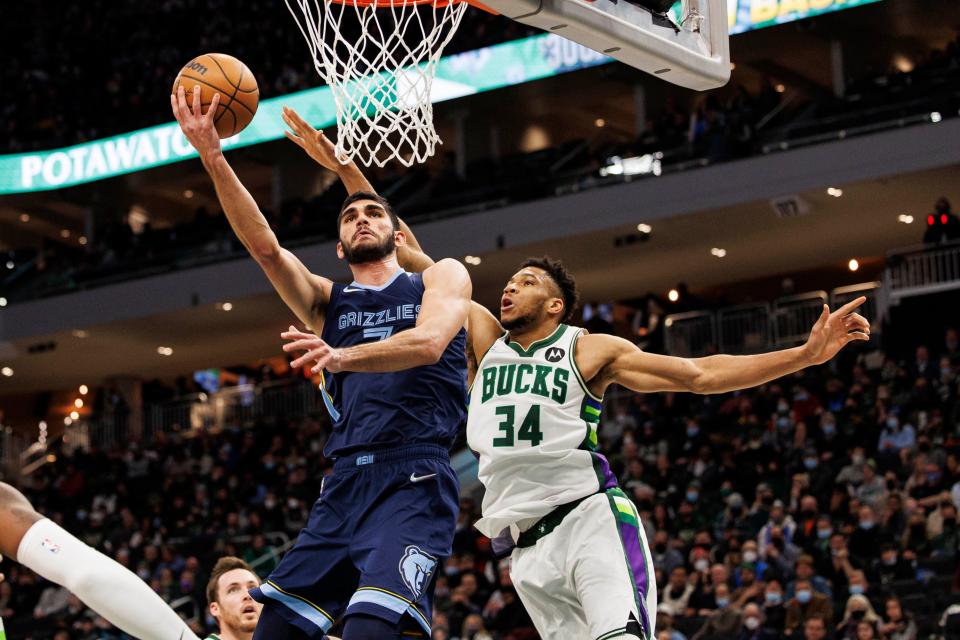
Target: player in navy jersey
(385, 518)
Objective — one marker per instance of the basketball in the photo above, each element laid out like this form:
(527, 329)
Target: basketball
(219, 73)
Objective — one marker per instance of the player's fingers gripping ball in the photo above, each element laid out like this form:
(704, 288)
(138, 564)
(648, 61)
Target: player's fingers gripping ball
(219, 73)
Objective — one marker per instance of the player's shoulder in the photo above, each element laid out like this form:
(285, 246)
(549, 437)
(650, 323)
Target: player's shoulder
(444, 269)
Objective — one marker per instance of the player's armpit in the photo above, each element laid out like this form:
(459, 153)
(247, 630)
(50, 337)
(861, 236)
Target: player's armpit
(304, 293)
(604, 360)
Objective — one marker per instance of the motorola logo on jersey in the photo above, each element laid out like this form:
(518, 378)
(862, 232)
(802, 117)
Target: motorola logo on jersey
(554, 354)
(416, 567)
(377, 318)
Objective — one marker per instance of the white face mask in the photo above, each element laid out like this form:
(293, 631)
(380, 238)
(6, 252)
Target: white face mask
(751, 623)
(750, 555)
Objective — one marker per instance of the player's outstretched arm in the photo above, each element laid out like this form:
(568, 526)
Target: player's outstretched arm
(606, 360)
(319, 147)
(443, 312)
(304, 293)
(100, 582)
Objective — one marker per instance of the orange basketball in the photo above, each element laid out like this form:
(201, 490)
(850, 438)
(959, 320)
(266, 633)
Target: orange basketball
(223, 74)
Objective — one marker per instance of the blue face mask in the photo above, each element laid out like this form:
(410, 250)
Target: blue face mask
(783, 423)
(810, 463)
(692, 432)
(829, 429)
(824, 534)
(773, 598)
(722, 602)
(692, 496)
(804, 596)
(866, 525)
(856, 589)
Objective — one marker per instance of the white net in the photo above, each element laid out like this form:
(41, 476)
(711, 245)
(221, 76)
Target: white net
(380, 62)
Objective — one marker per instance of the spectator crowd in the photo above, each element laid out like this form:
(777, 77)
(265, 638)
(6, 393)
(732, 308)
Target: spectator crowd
(823, 505)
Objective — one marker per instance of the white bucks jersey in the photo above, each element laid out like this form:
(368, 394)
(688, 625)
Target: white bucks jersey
(533, 422)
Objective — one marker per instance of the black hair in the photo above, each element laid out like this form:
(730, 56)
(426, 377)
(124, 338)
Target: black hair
(564, 281)
(369, 195)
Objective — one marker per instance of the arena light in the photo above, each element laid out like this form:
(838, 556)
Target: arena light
(84, 389)
(78, 403)
(3, 302)
(633, 166)
(718, 252)
(833, 191)
(643, 227)
(82, 240)
(80, 333)
(64, 233)
(673, 295)
(165, 351)
(905, 218)
(224, 306)
(600, 123)
(10, 265)
(188, 194)
(935, 117)
(74, 415)
(7, 372)
(68, 421)
(780, 88)
(853, 265)
(474, 260)
(24, 217)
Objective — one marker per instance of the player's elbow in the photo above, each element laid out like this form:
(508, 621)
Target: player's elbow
(698, 380)
(433, 347)
(266, 251)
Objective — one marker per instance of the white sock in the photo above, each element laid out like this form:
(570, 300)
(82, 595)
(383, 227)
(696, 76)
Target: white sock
(101, 583)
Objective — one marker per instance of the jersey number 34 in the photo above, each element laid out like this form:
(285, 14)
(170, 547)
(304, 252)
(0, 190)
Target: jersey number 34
(529, 429)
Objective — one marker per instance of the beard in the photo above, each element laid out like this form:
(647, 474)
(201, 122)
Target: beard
(520, 322)
(236, 622)
(370, 253)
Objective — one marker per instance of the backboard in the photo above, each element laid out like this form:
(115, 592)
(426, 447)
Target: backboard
(690, 48)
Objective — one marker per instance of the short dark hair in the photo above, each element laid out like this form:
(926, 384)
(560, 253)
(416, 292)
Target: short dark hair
(224, 564)
(369, 195)
(564, 281)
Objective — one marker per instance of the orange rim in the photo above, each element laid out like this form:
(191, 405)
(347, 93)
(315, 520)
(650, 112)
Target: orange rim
(387, 4)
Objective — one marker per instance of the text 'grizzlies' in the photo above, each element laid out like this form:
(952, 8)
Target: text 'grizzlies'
(376, 318)
(541, 380)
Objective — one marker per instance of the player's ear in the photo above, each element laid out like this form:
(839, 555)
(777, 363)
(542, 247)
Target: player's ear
(400, 238)
(214, 610)
(555, 306)
(340, 253)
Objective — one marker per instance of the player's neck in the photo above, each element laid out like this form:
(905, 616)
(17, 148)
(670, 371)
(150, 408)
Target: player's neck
(227, 633)
(375, 274)
(526, 337)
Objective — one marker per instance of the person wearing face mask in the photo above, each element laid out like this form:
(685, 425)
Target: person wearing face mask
(774, 608)
(852, 473)
(805, 536)
(724, 621)
(806, 572)
(780, 521)
(753, 627)
(890, 567)
(896, 436)
(805, 603)
(948, 540)
(865, 540)
(665, 557)
(858, 610)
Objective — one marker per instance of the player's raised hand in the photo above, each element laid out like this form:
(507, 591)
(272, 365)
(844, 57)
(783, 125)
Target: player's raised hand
(198, 127)
(317, 352)
(834, 331)
(311, 140)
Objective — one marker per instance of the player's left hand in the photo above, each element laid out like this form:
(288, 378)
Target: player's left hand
(317, 351)
(834, 331)
(198, 127)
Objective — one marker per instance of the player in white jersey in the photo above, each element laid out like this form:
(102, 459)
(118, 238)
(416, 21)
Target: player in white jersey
(581, 564)
(101, 583)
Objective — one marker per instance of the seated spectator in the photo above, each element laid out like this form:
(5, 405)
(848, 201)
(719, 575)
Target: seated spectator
(872, 491)
(753, 627)
(805, 603)
(897, 624)
(815, 628)
(722, 623)
(805, 571)
(858, 610)
(890, 567)
(665, 625)
(774, 607)
(665, 557)
(866, 631)
(865, 540)
(675, 598)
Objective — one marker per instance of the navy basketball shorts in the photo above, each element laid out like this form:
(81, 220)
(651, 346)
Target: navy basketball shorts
(376, 538)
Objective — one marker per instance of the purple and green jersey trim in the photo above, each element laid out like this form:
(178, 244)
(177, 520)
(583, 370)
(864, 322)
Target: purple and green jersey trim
(628, 523)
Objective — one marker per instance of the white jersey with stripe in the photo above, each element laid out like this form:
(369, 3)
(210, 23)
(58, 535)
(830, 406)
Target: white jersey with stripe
(533, 423)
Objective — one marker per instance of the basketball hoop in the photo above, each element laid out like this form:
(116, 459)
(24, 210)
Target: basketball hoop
(379, 58)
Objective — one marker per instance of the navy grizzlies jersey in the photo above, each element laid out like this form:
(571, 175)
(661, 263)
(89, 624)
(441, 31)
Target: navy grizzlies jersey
(373, 410)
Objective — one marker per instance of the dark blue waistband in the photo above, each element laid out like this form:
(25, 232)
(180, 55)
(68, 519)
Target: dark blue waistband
(395, 454)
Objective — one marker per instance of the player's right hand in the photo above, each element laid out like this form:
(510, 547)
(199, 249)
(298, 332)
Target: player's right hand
(313, 141)
(197, 127)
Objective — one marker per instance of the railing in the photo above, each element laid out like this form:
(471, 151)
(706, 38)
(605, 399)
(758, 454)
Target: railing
(756, 327)
(794, 315)
(242, 406)
(923, 270)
